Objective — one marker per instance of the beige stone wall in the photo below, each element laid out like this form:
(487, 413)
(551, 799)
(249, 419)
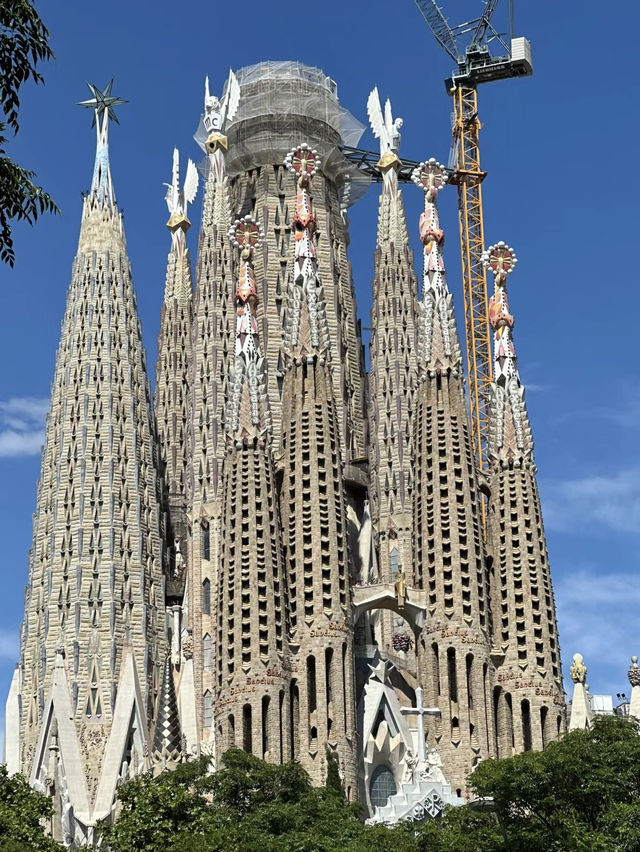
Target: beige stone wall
(454, 658)
(529, 696)
(251, 695)
(315, 536)
(95, 577)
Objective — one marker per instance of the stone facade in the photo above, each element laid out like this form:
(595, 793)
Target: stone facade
(297, 551)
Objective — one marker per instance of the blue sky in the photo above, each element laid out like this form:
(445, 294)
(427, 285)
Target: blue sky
(562, 188)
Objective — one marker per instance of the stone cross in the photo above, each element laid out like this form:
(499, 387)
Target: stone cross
(420, 711)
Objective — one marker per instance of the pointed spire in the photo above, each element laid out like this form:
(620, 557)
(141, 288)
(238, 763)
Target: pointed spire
(510, 439)
(634, 680)
(167, 740)
(581, 710)
(178, 283)
(102, 103)
(248, 415)
(392, 225)
(306, 333)
(438, 344)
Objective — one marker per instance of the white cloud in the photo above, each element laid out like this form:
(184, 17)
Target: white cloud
(21, 426)
(597, 617)
(608, 502)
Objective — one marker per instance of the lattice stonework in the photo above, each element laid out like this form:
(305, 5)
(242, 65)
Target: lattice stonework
(529, 700)
(449, 552)
(94, 621)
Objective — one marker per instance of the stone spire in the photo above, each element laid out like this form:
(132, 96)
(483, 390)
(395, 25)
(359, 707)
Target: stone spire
(167, 739)
(212, 353)
(634, 681)
(313, 512)
(530, 699)
(510, 439)
(173, 377)
(93, 630)
(393, 375)
(581, 709)
(455, 665)
(252, 664)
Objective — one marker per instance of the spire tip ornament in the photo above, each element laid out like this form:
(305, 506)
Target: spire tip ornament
(103, 104)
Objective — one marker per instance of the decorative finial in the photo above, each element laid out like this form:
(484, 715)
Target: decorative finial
(177, 199)
(578, 670)
(387, 130)
(102, 103)
(634, 672)
(303, 162)
(431, 177)
(501, 260)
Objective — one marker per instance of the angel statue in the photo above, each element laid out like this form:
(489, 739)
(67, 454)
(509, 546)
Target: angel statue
(387, 130)
(217, 111)
(177, 199)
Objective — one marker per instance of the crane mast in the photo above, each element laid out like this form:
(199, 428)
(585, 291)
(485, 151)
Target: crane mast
(468, 177)
(474, 66)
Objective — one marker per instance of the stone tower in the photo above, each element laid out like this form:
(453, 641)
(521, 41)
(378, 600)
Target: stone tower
(392, 378)
(314, 510)
(294, 563)
(454, 654)
(173, 369)
(528, 698)
(252, 664)
(93, 638)
(212, 347)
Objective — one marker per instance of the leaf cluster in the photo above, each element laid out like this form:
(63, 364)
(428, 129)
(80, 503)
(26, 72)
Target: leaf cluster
(24, 42)
(581, 794)
(21, 812)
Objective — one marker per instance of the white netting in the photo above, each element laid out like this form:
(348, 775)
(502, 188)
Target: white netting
(283, 104)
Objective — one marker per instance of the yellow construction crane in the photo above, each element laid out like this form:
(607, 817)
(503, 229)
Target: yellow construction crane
(475, 65)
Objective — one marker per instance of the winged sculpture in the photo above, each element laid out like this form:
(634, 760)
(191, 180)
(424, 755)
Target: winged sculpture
(384, 127)
(217, 111)
(177, 199)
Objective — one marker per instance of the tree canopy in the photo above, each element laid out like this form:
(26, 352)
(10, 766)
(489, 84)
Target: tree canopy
(24, 42)
(582, 794)
(21, 810)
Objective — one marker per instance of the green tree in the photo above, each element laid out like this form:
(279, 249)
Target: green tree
(249, 806)
(581, 794)
(24, 42)
(21, 812)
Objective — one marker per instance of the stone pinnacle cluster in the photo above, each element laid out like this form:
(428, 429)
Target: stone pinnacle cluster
(285, 553)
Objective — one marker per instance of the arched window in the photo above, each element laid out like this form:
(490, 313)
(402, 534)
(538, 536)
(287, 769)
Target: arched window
(207, 709)
(206, 542)
(382, 786)
(206, 597)
(206, 652)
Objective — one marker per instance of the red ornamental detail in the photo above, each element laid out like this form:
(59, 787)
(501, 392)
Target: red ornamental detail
(304, 161)
(246, 234)
(500, 259)
(432, 176)
(498, 317)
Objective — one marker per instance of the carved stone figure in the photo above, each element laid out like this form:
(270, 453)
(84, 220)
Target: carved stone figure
(578, 670)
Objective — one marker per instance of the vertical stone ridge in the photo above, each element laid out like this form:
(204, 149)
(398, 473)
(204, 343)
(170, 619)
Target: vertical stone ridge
(174, 364)
(454, 653)
(314, 516)
(95, 594)
(392, 379)
(252, 661)
(212, 350)
(529, 698)
(167, 739)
